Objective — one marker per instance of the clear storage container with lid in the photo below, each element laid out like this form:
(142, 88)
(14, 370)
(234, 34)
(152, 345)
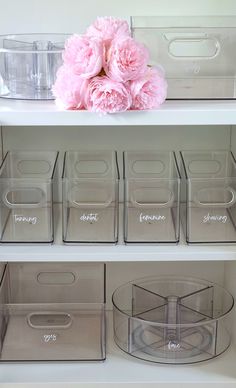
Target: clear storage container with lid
(208, 203)
(26, 196)
(28, 65)
(152, 194)
(90, 197)
(197, 53)
(172, 320)
(52, 312)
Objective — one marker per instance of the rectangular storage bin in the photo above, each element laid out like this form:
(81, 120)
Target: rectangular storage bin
(152, 190)
(197, 53)
(209, 196)
(26, 193)
(52, 312)
(90, 197)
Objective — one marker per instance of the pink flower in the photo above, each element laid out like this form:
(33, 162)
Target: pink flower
(107, 28)
(84, 55)
(69, 89)
(150, 91)
(105, 95)
(126, 60)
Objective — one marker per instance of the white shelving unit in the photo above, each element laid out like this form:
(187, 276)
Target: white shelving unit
(13, 112)
(215, 120)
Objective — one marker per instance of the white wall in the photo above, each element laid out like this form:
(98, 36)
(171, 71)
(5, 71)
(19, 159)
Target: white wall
(75, 15)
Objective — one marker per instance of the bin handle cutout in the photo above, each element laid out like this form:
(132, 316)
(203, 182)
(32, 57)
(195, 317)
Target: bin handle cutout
(216, 204)
(152, 204)
(14, 205)
(204, 47)
(86, 204)
(49, 320)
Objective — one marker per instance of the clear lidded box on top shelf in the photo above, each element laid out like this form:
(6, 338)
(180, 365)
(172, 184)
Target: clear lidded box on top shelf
(26, 195)
(196, 52)
(152, 195)
(28, 65)
(90, 197)
(208, 203)
(53, 312)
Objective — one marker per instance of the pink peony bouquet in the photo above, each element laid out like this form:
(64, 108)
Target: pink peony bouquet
(106, 70)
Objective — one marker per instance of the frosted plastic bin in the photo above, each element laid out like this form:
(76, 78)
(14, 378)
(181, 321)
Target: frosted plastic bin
(197, 53)
(208, 209)
(52, 312)
(28, 65)
(90, 197)
(172, 320)
(26, 195)
(152, 193)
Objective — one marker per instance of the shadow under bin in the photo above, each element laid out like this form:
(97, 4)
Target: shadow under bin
(152, 191)
(26, 194)
(90, 197)
(208, 203)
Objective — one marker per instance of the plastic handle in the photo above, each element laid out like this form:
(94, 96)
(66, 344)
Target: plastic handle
(12, 205)
(194, 48)
(49, 320)
(153, 204)
(216, 204)
(91, 204)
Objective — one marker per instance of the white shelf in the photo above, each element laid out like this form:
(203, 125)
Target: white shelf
(114, 253)
(121, 370)
(14, 112)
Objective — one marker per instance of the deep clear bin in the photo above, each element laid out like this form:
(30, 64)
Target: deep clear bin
(152, 191)
(208, 209)
(90, 197)
(172, 320)
(28, 65)
(52, 312)
(26, 195)
(197, 53)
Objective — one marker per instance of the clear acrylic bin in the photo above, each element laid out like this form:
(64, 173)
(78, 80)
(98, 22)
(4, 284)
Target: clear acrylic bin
(197, 53)
(208, 209)
(52, 312)
(26, 195)
(28, 65)
(90, 197)
(172, 320)
(152, 191)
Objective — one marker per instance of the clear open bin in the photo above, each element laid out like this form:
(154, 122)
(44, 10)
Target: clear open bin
(28, 65)
(208, 203)
(197, 53)
(152, 191)
(172, 320)
(26, 196)
(90, 197)
(52, 312)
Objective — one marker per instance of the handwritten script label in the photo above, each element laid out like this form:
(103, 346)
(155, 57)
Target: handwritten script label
(214, 218)
(24, 219)
(151, 218)
(92, 217)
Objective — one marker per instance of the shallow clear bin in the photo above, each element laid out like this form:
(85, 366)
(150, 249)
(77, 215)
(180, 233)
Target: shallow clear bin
(172, 320)
(208, 208)
(52, 312)
(90, 197)
(26, 196)
(28, 65)
(152, 191)
(197, 53)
